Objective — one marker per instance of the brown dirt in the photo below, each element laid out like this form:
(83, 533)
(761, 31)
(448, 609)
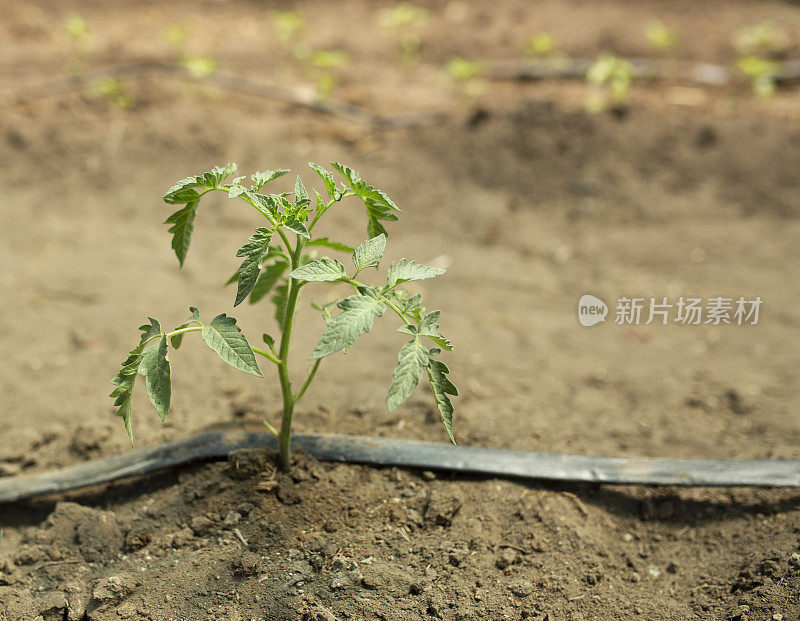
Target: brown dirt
(533, 202)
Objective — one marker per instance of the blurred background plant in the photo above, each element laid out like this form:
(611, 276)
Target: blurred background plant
(611, 78)
(323, 65)
(320, 66)
(760, 48)
(540, 45)
(199, 66)
(113, 91)
(290, 28)
(404, 22)
(467, 76)
(660, 37)
(77, 29)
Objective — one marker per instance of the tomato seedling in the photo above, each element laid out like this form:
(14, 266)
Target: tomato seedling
(285, 268)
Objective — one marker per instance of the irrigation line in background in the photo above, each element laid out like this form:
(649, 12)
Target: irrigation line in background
(414, 454)
(519, 70)
(302, 97)
(707, 74)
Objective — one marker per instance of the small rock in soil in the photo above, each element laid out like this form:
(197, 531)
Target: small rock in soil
(9, 469)
(29, 555)
(287, 492)
(248, 564)
(440, 510)
(794, 559)
(521, 588)
(507, 557)
(372, 578)
(339, 581)
(99, 536)
(318, 614)
(112, 589)
(52, 606)
(201, 525)
(136, 539)
(247, 463)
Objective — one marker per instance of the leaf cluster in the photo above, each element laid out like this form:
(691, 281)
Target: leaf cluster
(271, 265)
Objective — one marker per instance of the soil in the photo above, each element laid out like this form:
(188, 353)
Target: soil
(532, 203)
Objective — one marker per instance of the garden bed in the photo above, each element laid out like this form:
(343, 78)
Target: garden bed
(532, 203)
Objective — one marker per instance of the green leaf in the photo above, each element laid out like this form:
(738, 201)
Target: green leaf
(260, 179)
(428, 327)
(327, 178)
(184, 191)
(403, 270)
(218, 174)
(372, 195)
(350, 175)
(195, 318)
(300, 194)
(270, 275)
(182, 227)
(370, 253)
(254, 250)
(149, 330)
(225, 338)
(324, 241)
(411, 362)
(375, 213)
(236, 190)
(413, 305)
(442, 386)
(358, 314)
(124, 381)
(297, 227)
(269, 341)
(267, 205)
(155, 368)
(323, 269)
(279, 301)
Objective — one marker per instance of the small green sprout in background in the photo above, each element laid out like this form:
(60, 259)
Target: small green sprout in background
(323, 65)
(540, 45)
(614, 76)
(762, 73)
(77, 29)
(467, 75)
(290, 27)
(762, 39)
(317, 65)
(197, 65)
(660, 37)
(280, 258)
(404, 21)
(759, 47)
(114, 91)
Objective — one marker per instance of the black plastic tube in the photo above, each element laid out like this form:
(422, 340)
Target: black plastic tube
(414, 454)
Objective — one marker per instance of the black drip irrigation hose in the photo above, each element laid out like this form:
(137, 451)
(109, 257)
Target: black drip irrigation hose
(414, 454)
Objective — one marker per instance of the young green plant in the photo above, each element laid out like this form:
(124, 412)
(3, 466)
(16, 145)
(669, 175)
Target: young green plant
(280, 258)
(613, 74)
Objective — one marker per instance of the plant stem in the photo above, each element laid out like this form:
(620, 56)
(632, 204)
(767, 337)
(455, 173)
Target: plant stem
(285, 439)
(309, 379)
(266, 354)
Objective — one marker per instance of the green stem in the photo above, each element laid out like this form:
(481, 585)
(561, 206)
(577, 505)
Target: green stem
(184, 330)
(266, 354)
(309, 379)
(285, 439)
(400, 313)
